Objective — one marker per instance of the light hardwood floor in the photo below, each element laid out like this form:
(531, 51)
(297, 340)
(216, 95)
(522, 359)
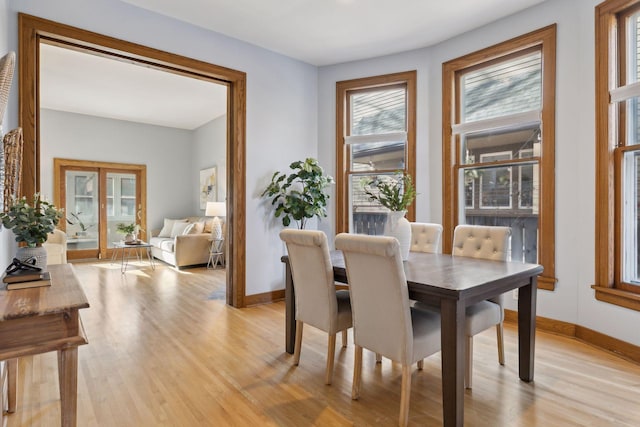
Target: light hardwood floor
(161, 353)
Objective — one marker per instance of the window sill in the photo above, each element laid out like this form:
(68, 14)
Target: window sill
(619, 297)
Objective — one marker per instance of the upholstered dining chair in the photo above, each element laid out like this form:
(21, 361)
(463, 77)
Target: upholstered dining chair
(492, 243)
(318, 303)
(378, 285)
(425, 237)
(56, 247)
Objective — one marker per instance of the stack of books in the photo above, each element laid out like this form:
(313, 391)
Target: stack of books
(23, 279)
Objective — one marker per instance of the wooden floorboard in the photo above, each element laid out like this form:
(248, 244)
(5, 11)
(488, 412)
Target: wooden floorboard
(161, 352)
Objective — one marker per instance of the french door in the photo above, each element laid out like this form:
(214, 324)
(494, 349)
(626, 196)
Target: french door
(96, 197)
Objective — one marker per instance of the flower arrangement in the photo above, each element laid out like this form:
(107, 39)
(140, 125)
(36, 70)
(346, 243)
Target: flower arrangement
(300, 195)
(31, 221)
(395, 194)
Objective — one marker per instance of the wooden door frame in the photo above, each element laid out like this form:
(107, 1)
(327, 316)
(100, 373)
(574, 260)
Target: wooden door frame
(59, 190)
(33, 30)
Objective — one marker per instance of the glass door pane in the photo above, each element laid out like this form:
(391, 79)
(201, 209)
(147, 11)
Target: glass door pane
(121, 203)
(82, 209)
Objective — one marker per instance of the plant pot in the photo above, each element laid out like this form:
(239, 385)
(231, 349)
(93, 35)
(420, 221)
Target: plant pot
(399, 227)
(39, 252)
(129, 237)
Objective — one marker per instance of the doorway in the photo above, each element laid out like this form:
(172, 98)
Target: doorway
(33, 31)
(96, 198)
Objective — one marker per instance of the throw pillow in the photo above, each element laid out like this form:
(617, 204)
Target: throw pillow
(198, 227)
(208, 225)
(188, 228)
(168, 226)
(178, 228)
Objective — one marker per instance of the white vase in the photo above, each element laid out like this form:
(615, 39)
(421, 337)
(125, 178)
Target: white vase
(39, 252)
(399, 227)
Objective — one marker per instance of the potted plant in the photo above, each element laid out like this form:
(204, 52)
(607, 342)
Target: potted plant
(300, 195)
(78, 221)
(395, 194)
(129, 230)
(31, 222)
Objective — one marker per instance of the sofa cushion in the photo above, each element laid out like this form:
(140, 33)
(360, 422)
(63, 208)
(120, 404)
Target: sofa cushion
(163, 243)
(168, 227)
(179, 228)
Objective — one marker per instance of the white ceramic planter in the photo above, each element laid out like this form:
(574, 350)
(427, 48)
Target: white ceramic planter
(399, 227)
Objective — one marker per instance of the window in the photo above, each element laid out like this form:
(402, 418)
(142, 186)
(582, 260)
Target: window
(498, 139)
(375, 137)
(618, 153)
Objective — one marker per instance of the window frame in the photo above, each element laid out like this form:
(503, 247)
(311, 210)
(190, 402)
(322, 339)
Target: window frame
(611, 145)
(545, 40)
(344, 88)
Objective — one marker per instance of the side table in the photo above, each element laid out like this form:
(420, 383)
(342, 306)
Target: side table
(216, 255)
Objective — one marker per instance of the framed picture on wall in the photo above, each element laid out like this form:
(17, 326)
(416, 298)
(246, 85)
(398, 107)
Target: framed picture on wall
(208, 186)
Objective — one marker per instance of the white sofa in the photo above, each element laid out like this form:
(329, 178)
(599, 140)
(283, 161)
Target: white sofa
(182, 242)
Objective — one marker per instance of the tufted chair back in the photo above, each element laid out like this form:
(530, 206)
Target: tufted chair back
(480, 241)
(425, 237)
(316, 302)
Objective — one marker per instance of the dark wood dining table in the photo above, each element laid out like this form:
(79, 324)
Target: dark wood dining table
(453, 283)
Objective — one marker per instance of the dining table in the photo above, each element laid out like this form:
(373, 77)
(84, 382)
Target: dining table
(452, 283)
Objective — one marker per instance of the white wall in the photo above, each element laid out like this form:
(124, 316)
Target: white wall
(7, 243)
(209, 150)
(281, 102)
(165, 151)
(573, 300)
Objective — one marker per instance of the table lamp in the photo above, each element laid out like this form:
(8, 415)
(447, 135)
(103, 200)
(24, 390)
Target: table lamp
(216, 210)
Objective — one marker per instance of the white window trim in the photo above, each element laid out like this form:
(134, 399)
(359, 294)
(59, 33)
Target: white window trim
(379, 137)
(532, 117)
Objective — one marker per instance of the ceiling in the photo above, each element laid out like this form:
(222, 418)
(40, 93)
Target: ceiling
(319, 32)
(323, 32)
(83, 83)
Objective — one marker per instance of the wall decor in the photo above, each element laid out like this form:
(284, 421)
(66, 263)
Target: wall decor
(12, 165)
(208, 186)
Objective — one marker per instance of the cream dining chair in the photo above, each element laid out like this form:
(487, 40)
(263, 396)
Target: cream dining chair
(492, 243)
(318, 303)
(383, 320)
(425, 237)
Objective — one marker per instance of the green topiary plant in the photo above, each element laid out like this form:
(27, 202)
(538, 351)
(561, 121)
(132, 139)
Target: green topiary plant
(300, 195)
(31, 222)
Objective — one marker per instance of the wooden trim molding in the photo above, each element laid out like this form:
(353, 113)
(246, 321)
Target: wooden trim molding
(545, 40)
(34, 30)
(620, 348)
(264, 298)
(408, 78)
(609, 119)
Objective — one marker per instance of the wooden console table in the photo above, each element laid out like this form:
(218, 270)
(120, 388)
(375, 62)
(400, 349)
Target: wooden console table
(39, 320)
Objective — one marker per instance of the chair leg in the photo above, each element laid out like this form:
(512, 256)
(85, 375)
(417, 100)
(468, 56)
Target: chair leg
(378, 358)
(405, 395)
(331, 352)
(344, 338)
(468, 373)
(298, 344)
(421, 364)
(357, 373)
(500, 336)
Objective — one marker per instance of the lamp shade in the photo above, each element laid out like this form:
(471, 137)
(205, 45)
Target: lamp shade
(216, 209)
